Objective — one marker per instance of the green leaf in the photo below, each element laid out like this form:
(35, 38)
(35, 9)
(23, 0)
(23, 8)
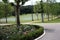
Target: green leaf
(5, 1)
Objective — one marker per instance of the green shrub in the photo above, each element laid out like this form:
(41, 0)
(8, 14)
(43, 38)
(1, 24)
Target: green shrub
(30, 35)
(12, 35)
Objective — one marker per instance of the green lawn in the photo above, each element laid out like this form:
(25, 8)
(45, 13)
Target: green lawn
(51, 21)
(28, 18)
(23, 18)
(54, 21)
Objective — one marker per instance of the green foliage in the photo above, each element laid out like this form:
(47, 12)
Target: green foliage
(52, 7)
(37, 7)
(1, 10)
(4, 10)
(10, 33)
(5, 1)
(29, 36)
(10, 9)
(57, 9)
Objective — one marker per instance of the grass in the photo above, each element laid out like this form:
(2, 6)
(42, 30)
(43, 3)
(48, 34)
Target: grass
(51, 21)
(23, 18)
(27, 18)
(54, 21)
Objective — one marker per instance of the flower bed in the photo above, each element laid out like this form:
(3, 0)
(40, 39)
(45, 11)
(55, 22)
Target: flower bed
(26, 32)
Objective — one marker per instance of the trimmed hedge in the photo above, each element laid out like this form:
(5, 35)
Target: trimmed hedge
(29, 36)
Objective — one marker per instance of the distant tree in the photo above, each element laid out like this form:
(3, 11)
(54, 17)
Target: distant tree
(47, 9)
(1, 10)
(36, 9)
(42, 11)
(52, 7)
(6, 2)
(57, 9)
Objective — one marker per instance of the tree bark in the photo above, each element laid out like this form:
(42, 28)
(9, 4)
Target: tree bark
(37, 16)
(48, 16)
(6, 13)
(17, 15)
(32, 17)
(52, 17)
(42, 17)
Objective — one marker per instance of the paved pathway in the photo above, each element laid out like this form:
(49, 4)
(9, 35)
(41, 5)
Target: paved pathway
(52, 31)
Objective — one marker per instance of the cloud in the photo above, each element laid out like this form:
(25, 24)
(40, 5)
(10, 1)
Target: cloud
(31, 2)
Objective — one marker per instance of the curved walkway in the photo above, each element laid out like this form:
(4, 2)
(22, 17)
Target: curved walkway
(52, 31)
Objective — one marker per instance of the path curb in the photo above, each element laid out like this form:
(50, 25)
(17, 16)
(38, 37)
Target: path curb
(40, 36)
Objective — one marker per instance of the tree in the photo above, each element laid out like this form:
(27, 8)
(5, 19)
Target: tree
(52, 8)
(57, 9)
(32, 15)
(47, 9)
(36, 9)
(1, 10)
(6, 2)
(9, 9)
(18, 10)
(42, 11)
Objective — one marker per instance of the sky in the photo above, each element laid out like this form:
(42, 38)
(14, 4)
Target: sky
(34, 2)
(31, 2)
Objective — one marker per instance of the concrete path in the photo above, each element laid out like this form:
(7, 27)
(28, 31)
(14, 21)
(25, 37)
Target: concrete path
(52, 31)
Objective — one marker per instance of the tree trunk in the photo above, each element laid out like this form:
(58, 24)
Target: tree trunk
(32, 17)
(17, 15)
(37, 16)
(6, 13)
(42, 17)
(52, 17)
(48, 16)
(0, 20)
(6, 19)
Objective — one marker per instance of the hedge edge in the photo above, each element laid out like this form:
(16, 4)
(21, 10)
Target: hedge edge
(40, 36)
